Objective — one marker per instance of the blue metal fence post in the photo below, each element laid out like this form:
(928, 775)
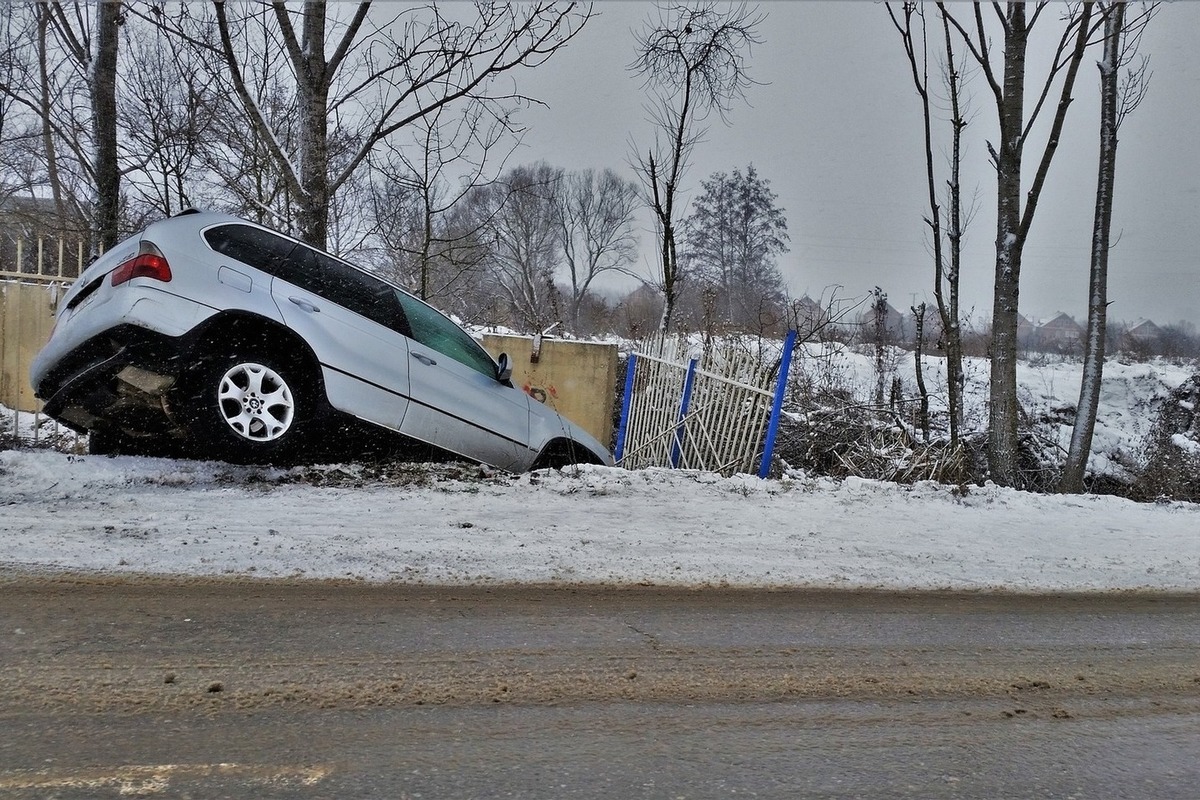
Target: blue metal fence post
(688, 382)
(626, 402)
(785, 365)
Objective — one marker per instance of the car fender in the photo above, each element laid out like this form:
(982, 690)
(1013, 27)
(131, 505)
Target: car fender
(546, 425)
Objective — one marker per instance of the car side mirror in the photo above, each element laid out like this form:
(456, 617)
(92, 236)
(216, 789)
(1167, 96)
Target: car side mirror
(504, 368)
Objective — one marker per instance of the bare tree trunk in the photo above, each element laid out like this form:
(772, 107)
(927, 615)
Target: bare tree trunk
(1003, 406)
(879, 312)
(104, 105)
(946, 273)
(52, 172)
(313, 199)
(1093, 347)
(1013, 221)
(922, 392)
(948, 298)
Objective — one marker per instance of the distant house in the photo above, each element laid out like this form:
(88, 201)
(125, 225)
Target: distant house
(809, 315)
(1062, 333)
(1025, 331)
(1143, 333)
(899, 328)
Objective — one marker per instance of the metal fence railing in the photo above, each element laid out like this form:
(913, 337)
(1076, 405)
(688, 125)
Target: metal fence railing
(715, 412)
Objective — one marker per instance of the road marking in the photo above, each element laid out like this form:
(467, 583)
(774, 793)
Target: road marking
(144, 779)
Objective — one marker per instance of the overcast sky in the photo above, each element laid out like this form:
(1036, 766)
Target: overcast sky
(835, 127)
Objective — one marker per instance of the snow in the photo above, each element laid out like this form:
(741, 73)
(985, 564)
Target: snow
(458, 525)
(1185, 444)
(595, 525)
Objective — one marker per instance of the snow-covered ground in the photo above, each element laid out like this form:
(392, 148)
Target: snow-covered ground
(455, 524)
(465, 525)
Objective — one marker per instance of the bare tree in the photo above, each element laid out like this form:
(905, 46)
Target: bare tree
(1016, 202)
(369, 81)
(918, 312)
(692, 60)
(104, 121)
(595, 215)
(416, 198)
(50, 88)
(1117, 101)
(166, 123)
(911, 23)
(880, 340)
(519, 217)
(14, 172)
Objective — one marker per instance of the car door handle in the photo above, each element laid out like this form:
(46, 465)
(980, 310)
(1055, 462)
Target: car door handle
(304, 304)
(424, 359)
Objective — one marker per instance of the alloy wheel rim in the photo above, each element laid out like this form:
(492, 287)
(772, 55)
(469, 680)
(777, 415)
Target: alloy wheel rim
(256, 402)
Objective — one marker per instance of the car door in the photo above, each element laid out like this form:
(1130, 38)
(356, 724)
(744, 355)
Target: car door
(456, 400)
(354, 324)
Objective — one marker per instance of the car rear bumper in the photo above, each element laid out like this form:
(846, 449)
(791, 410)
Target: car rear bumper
(107, 371)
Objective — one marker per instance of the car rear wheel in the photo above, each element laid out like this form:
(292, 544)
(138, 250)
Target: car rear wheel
(252, 408)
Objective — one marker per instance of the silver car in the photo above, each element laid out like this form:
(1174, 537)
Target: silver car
(225, 339)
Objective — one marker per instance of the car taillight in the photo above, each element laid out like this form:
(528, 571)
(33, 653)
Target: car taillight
(148, 263)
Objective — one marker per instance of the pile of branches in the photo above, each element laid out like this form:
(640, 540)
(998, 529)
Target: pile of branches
(861, 442)
(1172, 470)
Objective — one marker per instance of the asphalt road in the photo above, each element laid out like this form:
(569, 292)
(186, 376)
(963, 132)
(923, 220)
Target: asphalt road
(262, 690)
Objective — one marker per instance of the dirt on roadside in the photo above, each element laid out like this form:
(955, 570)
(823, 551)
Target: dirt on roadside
(85, 645)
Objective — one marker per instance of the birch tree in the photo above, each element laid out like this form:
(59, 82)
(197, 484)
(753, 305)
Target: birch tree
(692, 60)
(1117, 101)
(1005, 74)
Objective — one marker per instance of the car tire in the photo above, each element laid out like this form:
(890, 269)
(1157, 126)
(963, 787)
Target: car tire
(563, 453)
(251, 408)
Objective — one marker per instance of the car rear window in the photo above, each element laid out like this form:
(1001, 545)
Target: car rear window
(254, 246)
(310, 270)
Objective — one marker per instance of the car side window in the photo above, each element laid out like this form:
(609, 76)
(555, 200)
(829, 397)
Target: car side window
(253, 246)
(432, 329)
(312, 271)
(341, 283)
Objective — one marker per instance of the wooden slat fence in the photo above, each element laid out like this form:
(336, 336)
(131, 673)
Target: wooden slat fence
(33, 277)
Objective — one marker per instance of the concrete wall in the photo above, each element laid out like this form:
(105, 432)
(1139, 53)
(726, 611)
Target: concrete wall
(577, 379)
(26, 317)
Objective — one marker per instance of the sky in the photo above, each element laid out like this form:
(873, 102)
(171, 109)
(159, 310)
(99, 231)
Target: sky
(471, 526)
(834, 124)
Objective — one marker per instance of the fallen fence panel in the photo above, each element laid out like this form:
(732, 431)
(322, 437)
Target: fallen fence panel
(717, 412)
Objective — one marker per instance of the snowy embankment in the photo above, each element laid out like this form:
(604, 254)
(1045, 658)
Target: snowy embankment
(463, 525)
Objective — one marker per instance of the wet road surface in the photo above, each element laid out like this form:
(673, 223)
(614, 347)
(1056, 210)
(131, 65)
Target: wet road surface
(255, 690)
